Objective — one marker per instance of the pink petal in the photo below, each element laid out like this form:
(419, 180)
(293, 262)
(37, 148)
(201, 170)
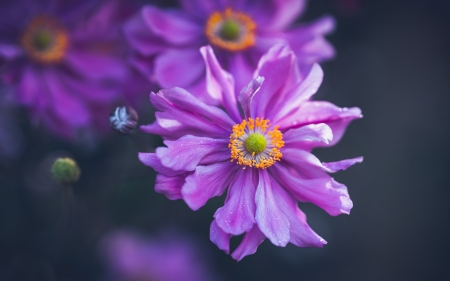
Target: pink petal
(156, 129)
(10, 51)
(267, 40)
(308, 137)
(179, 113)
(151, 160)
(309, 43)
(91, 91)
(247, 94)
(249, 243)
(178, 123)
(143, 65)
(315, 112)
(141, 38)
(220, 83)
(301, 233)
(199, 8)
(30, 87)
(185, 101)
(178, 67)
(342, 165)
(170, 186)
(96, 65)
(298, 94)
(199, 88)
(67, 106)
(174, 26)
(323, 192)
(241, 66)
(271, 220)
(216, 156)
(238, 214)
(186, 152)
(219, 237)
(101, 23)
(305, 163)
(275, 14)
(279, 68)
(207, 182)
(310, 167)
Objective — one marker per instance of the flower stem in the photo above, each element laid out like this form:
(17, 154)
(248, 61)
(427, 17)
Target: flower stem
(68, 211)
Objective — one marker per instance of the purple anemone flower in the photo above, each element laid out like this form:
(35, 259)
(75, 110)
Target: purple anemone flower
(262, 155)
(167, 41)
(64, 60)
(131, 257)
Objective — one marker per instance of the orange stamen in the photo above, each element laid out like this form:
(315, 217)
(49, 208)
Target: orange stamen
(243, 157)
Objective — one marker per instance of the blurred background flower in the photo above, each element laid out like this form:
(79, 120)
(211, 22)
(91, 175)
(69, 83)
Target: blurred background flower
(170, 257)
(64, 61)
(166, 41)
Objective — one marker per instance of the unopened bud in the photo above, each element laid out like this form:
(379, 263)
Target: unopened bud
(123, 119)
(65, 170)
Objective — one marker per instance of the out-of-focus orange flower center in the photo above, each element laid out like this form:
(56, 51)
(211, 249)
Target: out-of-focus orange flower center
(230, 30)
(45, 40)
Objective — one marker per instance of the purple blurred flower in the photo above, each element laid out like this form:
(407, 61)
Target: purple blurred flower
(130, 257)
(167, 41)
(269, 146)
(64, 60)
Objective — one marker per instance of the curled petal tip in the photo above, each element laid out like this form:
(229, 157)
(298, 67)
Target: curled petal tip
(247, 94)
(259, 79)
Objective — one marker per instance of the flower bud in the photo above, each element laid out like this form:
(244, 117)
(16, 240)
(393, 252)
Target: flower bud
(65, 170)
(123, 119)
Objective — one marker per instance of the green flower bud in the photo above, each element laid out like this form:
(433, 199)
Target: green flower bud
(65, 170)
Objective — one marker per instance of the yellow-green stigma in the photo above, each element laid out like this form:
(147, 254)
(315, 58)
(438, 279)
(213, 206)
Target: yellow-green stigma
(42, 40)
(230, 30)
(255, 143)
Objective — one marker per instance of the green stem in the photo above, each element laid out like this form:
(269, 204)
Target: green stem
(68, 210)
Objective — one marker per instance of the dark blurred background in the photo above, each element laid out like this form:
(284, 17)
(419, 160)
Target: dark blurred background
(393, 62)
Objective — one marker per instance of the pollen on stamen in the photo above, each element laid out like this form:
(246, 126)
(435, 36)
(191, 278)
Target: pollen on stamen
(230, 30)
(253, 146)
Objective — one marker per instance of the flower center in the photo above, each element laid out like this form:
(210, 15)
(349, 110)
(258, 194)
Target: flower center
(255, 143)
(45, 40)
(42, 40)
(251, 144)
(230, 30)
